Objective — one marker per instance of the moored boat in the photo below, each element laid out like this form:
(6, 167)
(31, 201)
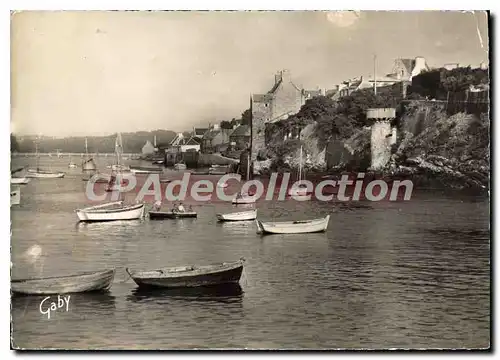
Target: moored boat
(190, 276)
(83, 282)
(238, 216)
(293, 227)
(300, 190)
(19, 181)
(180, 166)
(112, 211)
(42, 174)
(244, 199)
(143, 170)
(158, 215)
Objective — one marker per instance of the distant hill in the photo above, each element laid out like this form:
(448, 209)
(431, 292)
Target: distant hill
(132, 142)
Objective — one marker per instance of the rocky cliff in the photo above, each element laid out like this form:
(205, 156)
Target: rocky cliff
(433, 149)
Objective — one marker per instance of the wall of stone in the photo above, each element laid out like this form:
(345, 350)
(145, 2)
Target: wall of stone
(381, 137)
(261, 113)
(287, 99)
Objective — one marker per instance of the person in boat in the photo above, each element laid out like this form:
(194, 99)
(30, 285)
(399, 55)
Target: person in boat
(181, 208)
(190, 209)
(157, 205)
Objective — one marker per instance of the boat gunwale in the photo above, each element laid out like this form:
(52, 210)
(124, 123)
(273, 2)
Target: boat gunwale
(101, 272)
(109, 211)
(163, 273)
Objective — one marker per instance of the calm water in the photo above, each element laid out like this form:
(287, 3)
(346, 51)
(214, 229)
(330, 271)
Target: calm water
(411, 274)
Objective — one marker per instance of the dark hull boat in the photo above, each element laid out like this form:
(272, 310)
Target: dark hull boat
(158, 215)
(189, 276)
(84, 282)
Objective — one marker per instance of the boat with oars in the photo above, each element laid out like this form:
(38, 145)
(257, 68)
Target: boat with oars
(293, 227)
(238, 216)
(190, 276)
(77, 283)
(112, 211)
(177, 212)
(39, 173)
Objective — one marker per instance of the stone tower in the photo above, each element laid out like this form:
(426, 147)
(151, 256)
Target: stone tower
(261, 113)
(382, 136)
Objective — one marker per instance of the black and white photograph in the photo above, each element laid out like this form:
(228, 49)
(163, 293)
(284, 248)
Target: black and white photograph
(250, 180)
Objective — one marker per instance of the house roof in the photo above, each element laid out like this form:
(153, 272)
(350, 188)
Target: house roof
(312, 93)
(242, 130)
(177, 139)
(199, 131)
(193, 141)
(409, 64)
(211, 134)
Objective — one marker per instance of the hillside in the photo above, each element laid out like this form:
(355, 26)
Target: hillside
(132, 142)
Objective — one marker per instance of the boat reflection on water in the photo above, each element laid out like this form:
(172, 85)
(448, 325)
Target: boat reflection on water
(108, 225)
(227, 293)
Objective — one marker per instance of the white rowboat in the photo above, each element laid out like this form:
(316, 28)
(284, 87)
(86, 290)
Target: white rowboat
(293, 227)
(40, 174)
(78, 283)
(19, 181)
(238, 216)
(111, 212)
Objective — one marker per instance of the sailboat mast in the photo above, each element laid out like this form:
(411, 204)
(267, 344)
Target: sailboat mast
(300, 164)
(86, 148)
(248, 166)
(36, 154)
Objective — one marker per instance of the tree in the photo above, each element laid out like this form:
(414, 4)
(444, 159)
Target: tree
(225, 125)
(246, 117)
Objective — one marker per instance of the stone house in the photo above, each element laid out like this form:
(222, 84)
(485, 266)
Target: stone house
(405, 69)
(215, 139)
(240, 137)
(284, 99)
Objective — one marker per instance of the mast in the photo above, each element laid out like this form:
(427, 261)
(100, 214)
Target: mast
(248, 166)
(375, 74)
(300, 164)
(37, 156)
(86, 148)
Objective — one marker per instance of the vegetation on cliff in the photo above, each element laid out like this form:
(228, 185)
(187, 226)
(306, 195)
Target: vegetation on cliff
(449, 147)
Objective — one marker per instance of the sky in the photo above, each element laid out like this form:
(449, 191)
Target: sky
(77, 73)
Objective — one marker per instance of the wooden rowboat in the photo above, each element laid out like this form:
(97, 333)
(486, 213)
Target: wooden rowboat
(111, 212)
(158, 215)
(83, 282)
(238, 216)
(190, 276)
(42, 174)
(293, 227)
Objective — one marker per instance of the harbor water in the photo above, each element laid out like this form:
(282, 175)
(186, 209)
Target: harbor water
(405, 274)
